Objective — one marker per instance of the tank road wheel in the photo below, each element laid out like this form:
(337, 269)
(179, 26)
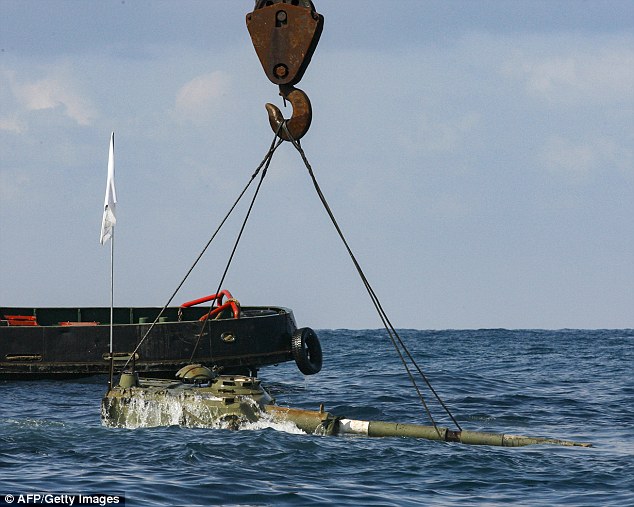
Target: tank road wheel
(306, 351)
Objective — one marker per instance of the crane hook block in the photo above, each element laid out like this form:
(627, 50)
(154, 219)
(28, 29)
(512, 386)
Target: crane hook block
(285, 35)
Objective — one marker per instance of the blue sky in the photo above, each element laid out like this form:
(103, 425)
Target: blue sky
(478, 156)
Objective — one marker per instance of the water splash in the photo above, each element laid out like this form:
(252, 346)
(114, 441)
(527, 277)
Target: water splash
(191, 410)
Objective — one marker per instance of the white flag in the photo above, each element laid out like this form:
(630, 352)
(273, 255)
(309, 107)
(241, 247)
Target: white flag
(110, 202)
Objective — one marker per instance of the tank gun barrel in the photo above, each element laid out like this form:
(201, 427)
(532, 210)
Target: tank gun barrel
(321, 422)
(391, 429)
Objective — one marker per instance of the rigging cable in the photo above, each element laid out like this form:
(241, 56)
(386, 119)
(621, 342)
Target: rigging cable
(265, 161)
(393, 334)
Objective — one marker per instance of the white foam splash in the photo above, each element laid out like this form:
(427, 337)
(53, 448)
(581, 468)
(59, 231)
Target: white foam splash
(146, 412)
(35, 423)
(188, 410)
(267, 422)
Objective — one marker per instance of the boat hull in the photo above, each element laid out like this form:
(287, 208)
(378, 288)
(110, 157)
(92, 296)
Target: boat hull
(74, 342)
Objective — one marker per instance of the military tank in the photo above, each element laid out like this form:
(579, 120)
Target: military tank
(201, 398)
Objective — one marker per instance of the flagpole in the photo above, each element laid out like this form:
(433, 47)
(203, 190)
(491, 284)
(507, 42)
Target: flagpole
(111, 309)
(107, 233)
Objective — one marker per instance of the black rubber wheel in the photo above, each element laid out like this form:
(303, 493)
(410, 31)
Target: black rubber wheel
(306, 351)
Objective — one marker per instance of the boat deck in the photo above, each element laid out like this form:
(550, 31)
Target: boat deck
(74, 342)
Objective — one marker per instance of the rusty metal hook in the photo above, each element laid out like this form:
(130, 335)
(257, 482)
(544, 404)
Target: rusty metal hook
(299, 122)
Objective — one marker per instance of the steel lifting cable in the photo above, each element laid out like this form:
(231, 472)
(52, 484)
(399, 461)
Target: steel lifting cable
(392, 333)
(265, 162)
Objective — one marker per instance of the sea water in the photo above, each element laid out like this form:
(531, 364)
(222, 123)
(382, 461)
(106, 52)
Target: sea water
(568, 384)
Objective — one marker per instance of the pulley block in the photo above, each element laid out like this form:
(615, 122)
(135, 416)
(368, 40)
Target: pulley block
(285, 34)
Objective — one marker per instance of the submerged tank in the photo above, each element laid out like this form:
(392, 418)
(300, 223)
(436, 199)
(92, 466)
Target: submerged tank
(201, 398)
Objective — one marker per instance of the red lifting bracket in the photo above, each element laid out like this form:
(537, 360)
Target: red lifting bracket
(285, 34)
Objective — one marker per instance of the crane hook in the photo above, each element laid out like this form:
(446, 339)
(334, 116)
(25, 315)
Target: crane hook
(285, 34)
(299, 122)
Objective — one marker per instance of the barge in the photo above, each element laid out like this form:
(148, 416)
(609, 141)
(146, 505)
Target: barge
(59, 343)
